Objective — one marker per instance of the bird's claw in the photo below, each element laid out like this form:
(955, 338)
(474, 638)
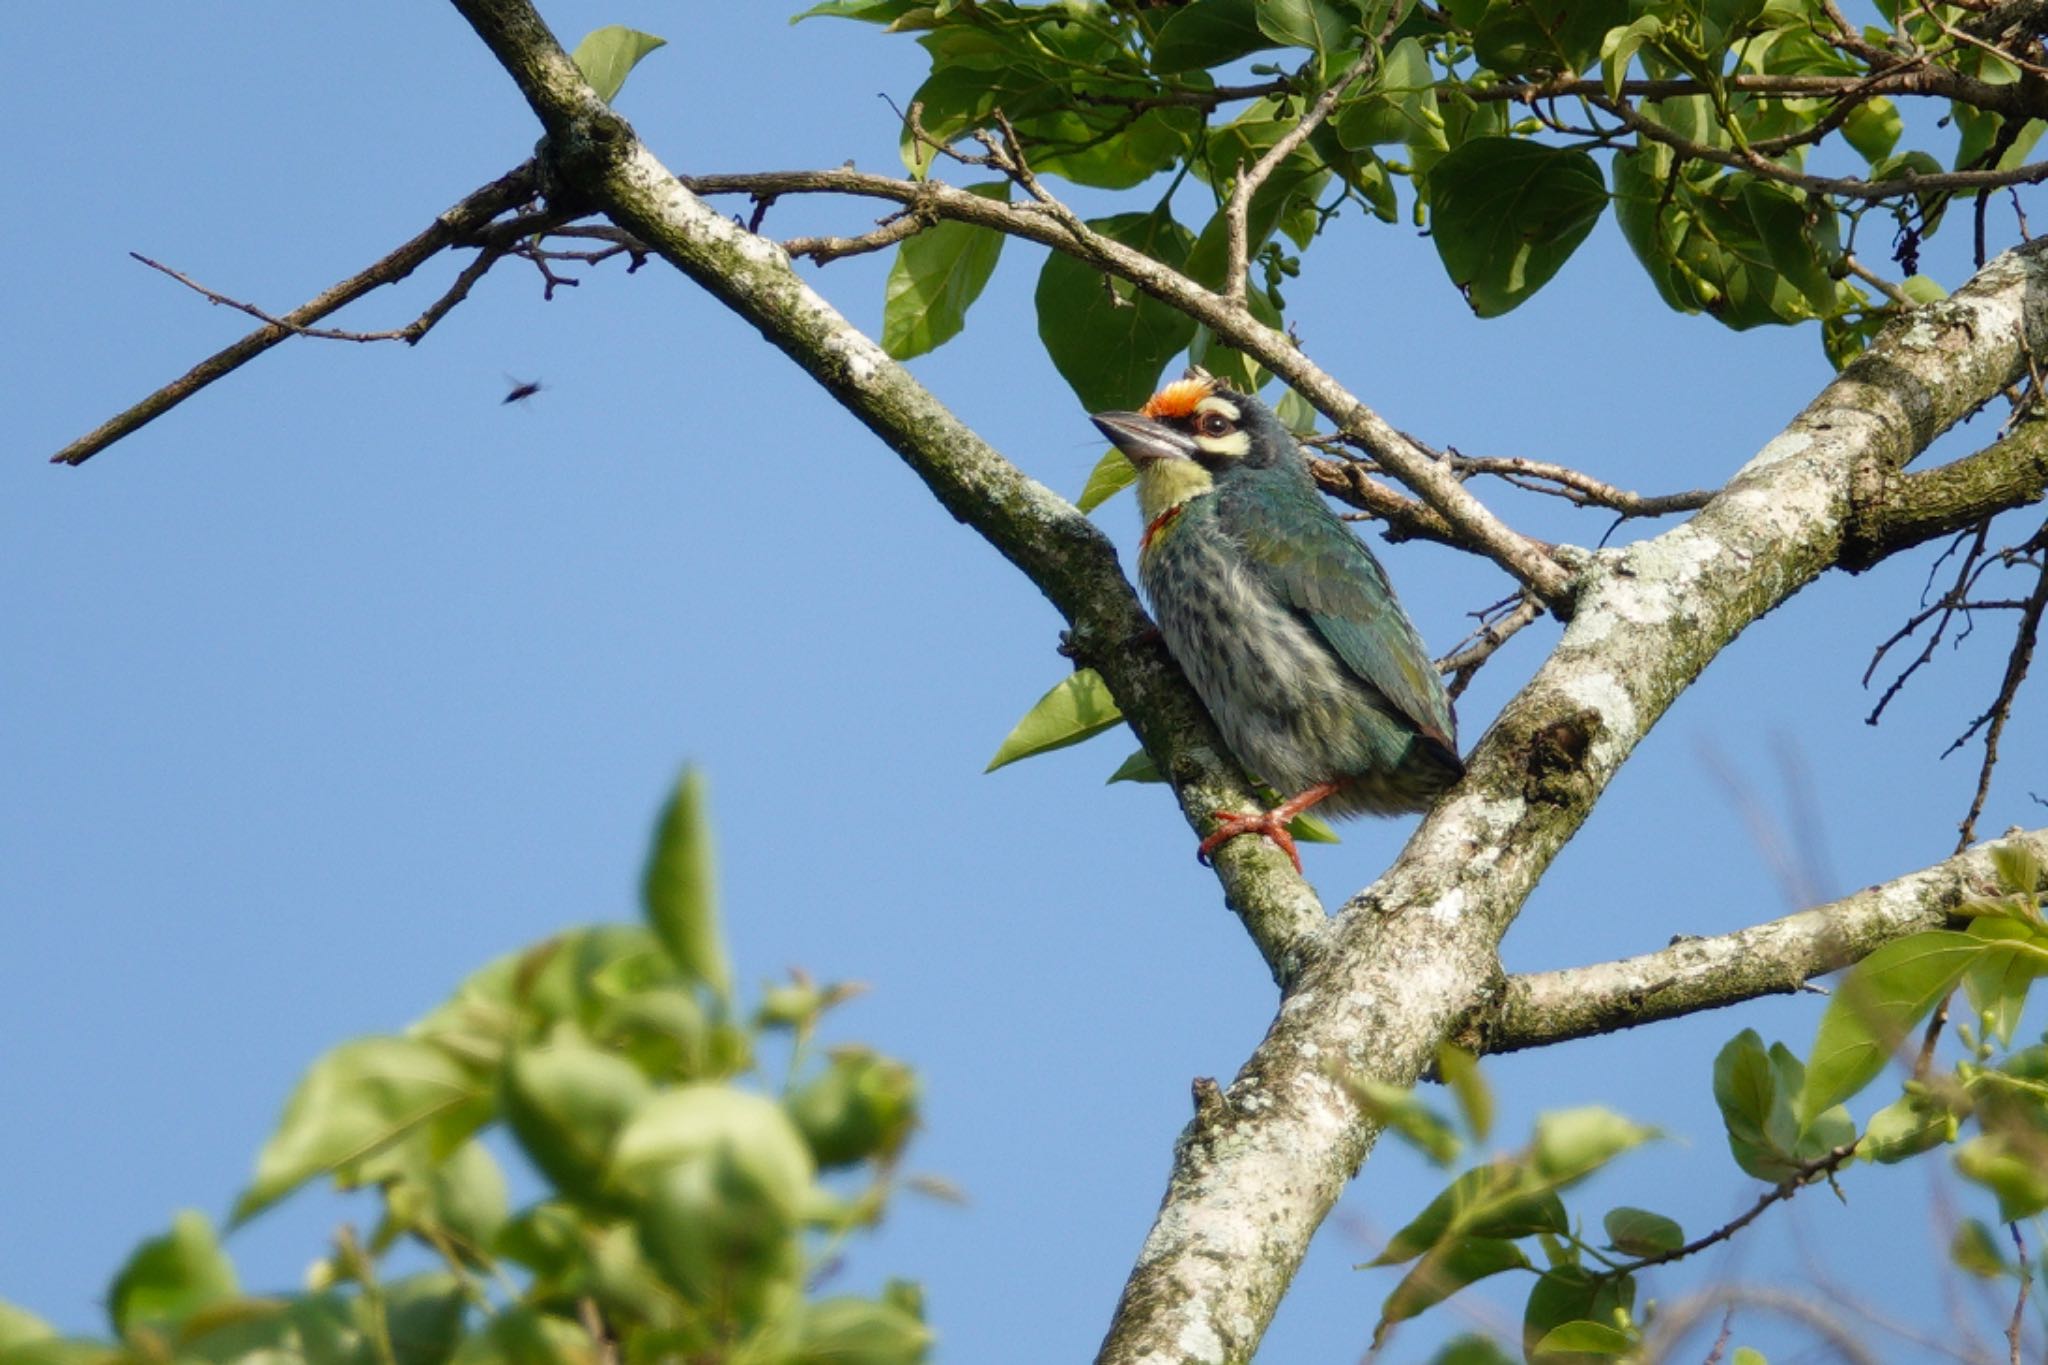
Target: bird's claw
(1231, 823)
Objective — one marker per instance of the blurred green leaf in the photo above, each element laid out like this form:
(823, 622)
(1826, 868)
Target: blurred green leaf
(691, 1120)
(1404, 1114)
(606, 56)
(1586, 1338)
(717, 1226)
(849, 1331)
(1400, 105)
(166, 1279)
(2009, 1165)
(1460, 1071)
(2019, 871)
(1571, 1294)
(1321, 27)
(1975, 1249)
(1506, 214)
(567, 1103)
(2015, 956)
(862, 1105)
(1472, 1350)
(1442, 1272)
(1113, 473)
(869, 11)
(1573, 1143)
(1500, 1199)
(1078, 707)
(358, 1100)
(1906, 1127)
(18, 1327)
(1639, 1232)
(521, 1335)
(1874, 1008)
(938, 273)
(681, 888)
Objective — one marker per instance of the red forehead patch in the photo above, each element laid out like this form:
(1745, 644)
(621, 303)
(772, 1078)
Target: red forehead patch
(1178, 399)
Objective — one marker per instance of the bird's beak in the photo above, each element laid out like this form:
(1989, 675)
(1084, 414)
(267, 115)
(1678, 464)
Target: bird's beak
(1143, 439)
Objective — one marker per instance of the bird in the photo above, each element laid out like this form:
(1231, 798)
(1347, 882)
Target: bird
(1280, 617)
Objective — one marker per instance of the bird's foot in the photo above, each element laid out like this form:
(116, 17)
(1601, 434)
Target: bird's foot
(1271, 823)
(1231, 823)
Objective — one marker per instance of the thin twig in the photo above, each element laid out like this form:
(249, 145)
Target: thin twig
(1803, 1174)
(1471, 653)
(2016, 665)
(2019, 1303)
(452, 227)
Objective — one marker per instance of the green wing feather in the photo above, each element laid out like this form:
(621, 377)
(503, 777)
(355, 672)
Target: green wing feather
(1315, 564)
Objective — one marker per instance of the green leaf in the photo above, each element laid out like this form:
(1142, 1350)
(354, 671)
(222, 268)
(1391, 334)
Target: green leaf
(1317, 25)
(1975, 1249)
(680, 888)
(1078, 707)
(1297, 413)
(1571, 1144)
(869, 11)
(939, 272)
(1400, 107)
(1619, 47)
(1310, 829)
(1587, 1338)
(567, 1104)
(355, 1102)
(1507, 213)
(1113, 473)
(1571, 1294)
(1108, 342)
(1139, 767)
(1875, 1007)
(1747, 1355)
(1799, 236)
(1460, 1071)
(1447, 1268)
(1522, 37)
(607, 55)
(1639, 1232)
(1208, 33)
(168, 1278)
(1756, 1113)
(1873, 128)
(848, 1331)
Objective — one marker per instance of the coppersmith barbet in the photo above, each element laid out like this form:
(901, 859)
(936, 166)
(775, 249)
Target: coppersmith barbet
(1281, 618)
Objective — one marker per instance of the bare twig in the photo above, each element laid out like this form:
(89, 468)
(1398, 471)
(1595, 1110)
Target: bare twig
(1993, 720)
(1803, 1174)
(1498, 624)
(2013, 1328)
(452, 227)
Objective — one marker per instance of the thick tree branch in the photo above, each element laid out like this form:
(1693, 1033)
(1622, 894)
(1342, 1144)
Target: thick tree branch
(1058, 548)
(1256, 1172)
(1695, 974)
(1904, 510)
(452, 227)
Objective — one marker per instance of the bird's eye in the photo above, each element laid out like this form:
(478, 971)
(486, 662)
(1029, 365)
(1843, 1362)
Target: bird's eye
(1214, 424)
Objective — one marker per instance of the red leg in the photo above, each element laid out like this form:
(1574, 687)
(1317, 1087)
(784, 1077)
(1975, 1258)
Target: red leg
(1272, 823)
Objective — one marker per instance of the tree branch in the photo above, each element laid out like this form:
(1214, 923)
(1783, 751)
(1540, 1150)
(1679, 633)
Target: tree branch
(452, 227)
(597, 154)
(1256, 1172)
(1237, 212)
(1696, 974)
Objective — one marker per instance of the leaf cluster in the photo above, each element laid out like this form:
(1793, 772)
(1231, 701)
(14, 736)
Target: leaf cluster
(685, 1210)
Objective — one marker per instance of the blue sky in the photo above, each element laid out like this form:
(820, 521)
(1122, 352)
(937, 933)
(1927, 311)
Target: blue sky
(345, 678)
